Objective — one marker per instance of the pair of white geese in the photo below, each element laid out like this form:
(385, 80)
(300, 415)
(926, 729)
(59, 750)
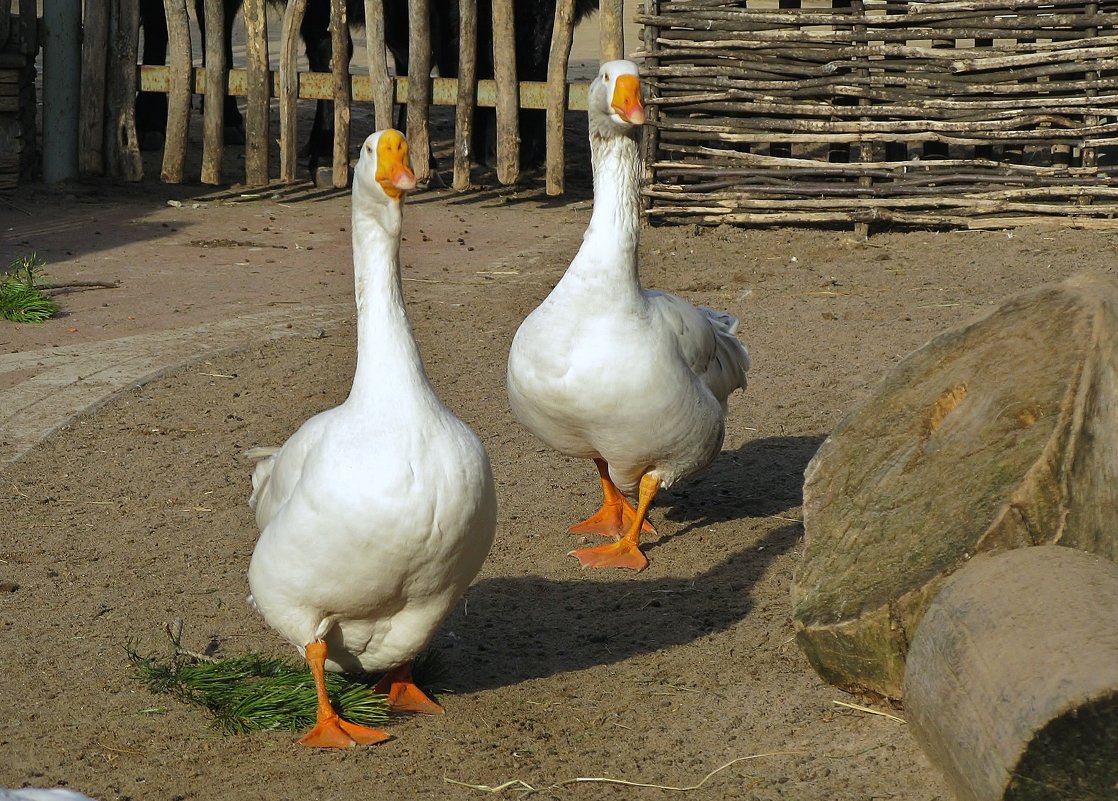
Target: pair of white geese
(377, 514)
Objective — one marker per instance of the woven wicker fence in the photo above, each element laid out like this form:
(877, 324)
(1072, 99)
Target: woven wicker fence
(974, 113)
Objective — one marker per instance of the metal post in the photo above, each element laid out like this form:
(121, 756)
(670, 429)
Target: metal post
(62, 72)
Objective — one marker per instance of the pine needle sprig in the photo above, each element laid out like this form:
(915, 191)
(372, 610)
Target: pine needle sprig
(254, 693)
(21, 301)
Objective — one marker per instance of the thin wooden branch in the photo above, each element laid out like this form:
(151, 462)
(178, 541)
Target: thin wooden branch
(259, 93)
(339, 66)
(562, 37)
(467, 78)
(379, 78)
(419, 85)
(216, 75)
(289, 88)
(508, 101)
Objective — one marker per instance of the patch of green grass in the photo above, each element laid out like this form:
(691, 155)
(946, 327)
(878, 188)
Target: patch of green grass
(252, 692)
(21, 301)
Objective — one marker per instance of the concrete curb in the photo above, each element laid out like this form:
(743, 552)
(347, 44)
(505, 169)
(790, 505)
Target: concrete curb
(59, 384)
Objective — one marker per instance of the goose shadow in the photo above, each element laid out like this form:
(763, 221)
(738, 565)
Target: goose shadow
(762, 478)
(517, 628)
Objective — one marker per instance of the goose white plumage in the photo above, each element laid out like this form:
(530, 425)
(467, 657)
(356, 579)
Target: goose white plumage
(603, 369)
(376, 514)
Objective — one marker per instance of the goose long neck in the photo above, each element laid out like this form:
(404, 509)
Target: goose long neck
(609, 246)
(387, 357)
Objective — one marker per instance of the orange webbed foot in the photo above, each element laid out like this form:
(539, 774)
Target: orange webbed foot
(623, 553)
(333, 732)
(404, 694)
(611, 521)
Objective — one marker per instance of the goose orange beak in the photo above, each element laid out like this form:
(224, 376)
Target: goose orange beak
(394, 172)
(627, 99)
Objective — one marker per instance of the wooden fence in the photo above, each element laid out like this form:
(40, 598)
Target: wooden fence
(18, 45)
(108, 140)
(973, 113)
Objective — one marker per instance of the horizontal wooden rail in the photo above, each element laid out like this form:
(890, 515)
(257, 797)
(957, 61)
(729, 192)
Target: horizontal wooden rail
(319, 86)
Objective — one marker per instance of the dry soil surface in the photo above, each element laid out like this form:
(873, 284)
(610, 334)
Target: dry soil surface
(556, 679)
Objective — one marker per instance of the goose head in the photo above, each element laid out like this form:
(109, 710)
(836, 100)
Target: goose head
(614, 99)
(384, 170)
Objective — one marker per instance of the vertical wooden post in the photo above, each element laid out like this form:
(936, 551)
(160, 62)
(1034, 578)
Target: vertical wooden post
(29, 26)
(339, 66)
(467, 100)
(213, 139)
(561, 39)
(419, 86)
(650, 144)
(61, 30)
(122, 147)
(611, 20)
(180, 68)
(508, 92)
(380, 82)
(289, 89)
(259, 91)
(866, 148)
(91, 119)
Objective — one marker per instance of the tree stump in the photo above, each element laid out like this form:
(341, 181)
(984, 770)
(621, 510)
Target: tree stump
(994, 435)
(1011, 685)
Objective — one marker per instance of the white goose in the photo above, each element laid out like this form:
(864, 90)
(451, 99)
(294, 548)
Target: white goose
(376, 514)
(603, 369)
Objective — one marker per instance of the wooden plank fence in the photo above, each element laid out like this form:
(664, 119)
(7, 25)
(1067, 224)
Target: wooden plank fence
(108, 140)
(970, 113)
(18, 45)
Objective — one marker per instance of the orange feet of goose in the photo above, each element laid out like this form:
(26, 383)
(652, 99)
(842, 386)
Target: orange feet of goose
(623, 553)
(330, 731)
(404, 694)
(333, 732)
(626, 551)
(615, 516)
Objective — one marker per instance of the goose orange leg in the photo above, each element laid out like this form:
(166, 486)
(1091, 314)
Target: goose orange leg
(626, 551)
(616, 513)
(404, 694)
(330, 731)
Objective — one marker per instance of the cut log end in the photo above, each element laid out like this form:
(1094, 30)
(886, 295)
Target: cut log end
(1011, 684)
(994, 435)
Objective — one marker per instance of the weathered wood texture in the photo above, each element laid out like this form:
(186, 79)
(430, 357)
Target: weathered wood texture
(109, 117)
(289, 88)
(380, 80)
(467, 102)
(213, 115)
(987, 114)
(339, 67)
(122, 145)
(419, 90)
(1012, 678)
(257, 137)
(562, 37)
(180, 62)
(507, 102)
(17, 105)
(994, 435)
(91, 112)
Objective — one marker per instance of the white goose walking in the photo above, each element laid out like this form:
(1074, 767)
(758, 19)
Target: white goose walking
(603, 369)
(376, 514)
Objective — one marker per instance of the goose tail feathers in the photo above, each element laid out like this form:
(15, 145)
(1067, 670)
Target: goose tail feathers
(730, 361)
(262, 472)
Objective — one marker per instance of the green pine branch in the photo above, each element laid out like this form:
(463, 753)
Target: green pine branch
(21, 301)
(252, 692)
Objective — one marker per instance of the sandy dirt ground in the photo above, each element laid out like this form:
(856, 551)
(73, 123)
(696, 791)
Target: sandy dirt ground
(555, 678)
